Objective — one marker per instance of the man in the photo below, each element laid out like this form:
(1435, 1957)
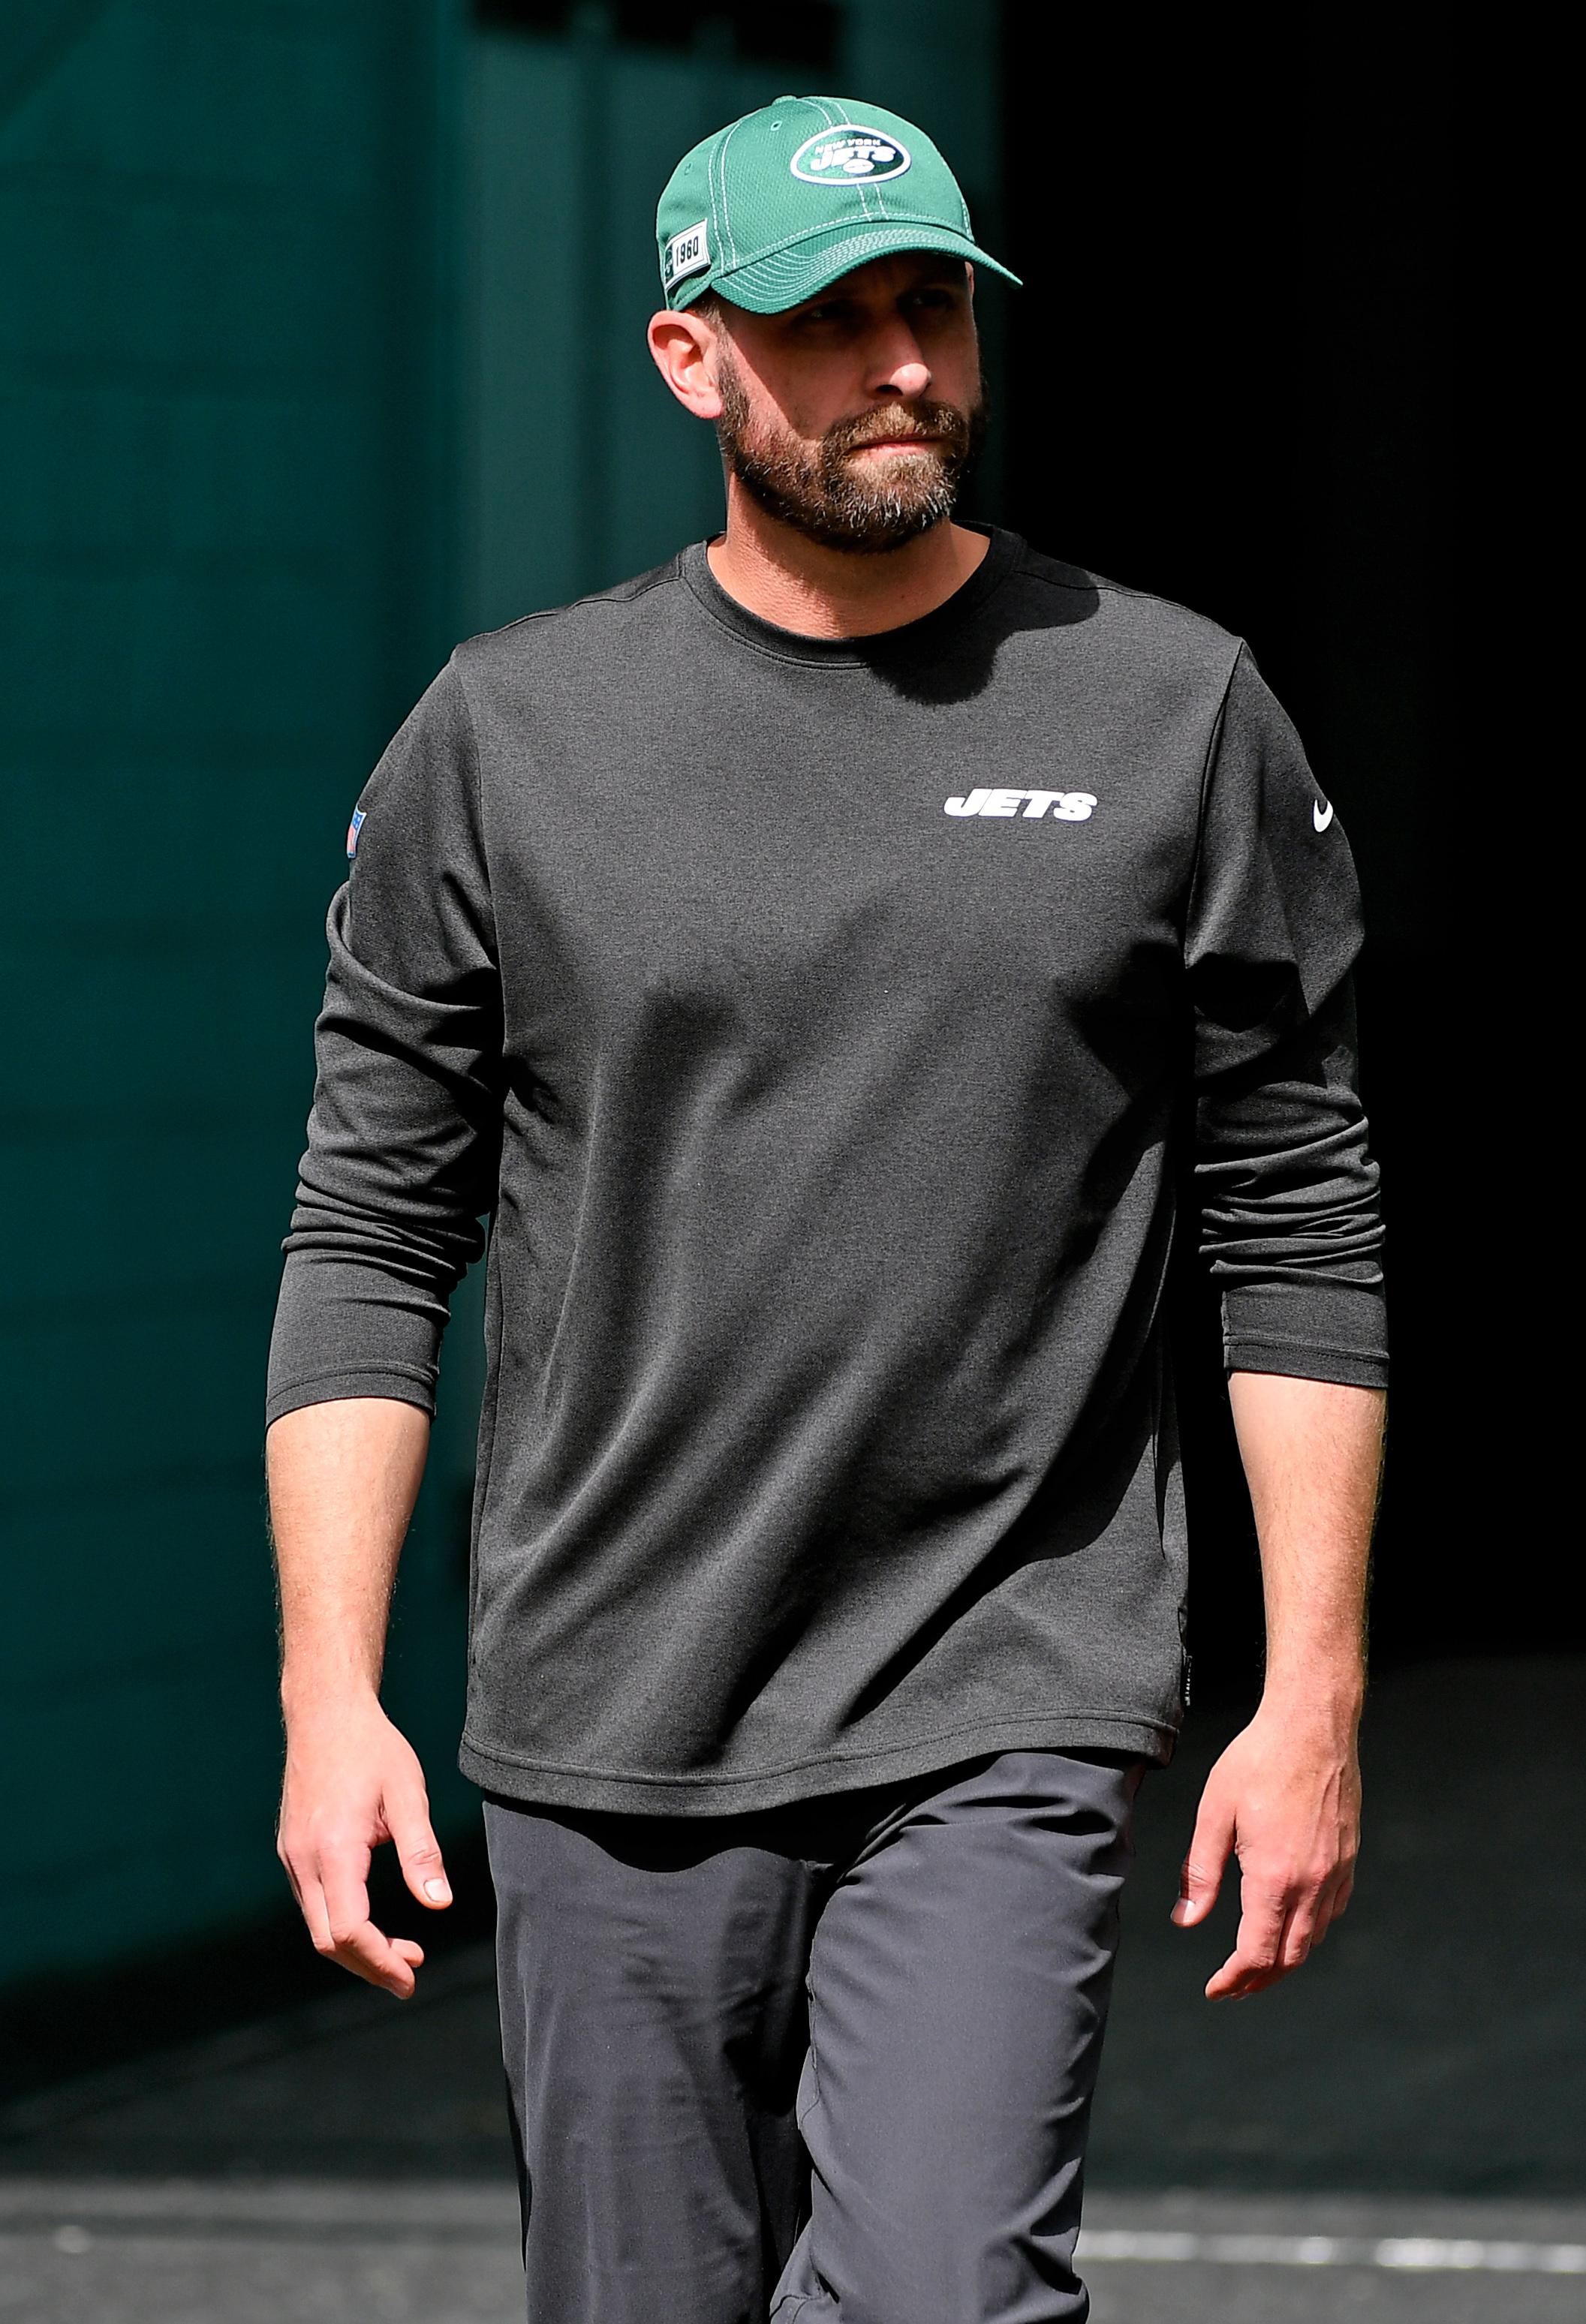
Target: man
(810, 955)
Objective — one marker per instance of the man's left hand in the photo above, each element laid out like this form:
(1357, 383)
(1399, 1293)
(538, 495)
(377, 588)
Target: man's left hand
(1284, 1798)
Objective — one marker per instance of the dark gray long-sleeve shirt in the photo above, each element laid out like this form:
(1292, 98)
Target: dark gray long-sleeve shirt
(816, 1020)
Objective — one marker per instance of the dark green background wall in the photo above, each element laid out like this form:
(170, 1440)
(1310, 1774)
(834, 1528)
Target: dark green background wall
(320, 344)
(224, 535)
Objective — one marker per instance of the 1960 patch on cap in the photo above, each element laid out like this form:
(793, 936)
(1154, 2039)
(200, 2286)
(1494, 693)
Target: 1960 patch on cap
(687, 252)
(780, 204)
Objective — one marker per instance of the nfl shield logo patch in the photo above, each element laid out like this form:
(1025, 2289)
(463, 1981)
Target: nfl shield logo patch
(353, 829)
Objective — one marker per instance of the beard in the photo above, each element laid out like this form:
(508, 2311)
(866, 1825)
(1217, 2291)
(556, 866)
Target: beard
(866, 506)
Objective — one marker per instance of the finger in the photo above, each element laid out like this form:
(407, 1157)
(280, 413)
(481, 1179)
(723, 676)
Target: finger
(310, 1898)
(418, 1852)
(355, 1942)
(370, 1954)
(1239, 1977)
(290, 1869)
(1335, 1901)
(1201, 1875)
(1257, 1944)
(1299, 1930)
(1311, 1910)
(1303, 1916)
(1327, 1909)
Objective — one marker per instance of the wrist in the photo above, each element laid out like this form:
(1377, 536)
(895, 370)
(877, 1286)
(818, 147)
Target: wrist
(311, 1690)
(1331, 1700)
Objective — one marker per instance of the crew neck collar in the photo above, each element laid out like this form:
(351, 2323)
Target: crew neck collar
(924, 632)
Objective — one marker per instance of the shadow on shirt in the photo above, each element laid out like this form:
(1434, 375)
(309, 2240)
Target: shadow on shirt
(946, 658)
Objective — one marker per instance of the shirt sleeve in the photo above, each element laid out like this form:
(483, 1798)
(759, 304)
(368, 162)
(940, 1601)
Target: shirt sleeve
(1287, 1190)
(405, 1130)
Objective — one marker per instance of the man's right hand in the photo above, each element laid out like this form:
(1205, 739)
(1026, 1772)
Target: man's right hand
(352, 1781)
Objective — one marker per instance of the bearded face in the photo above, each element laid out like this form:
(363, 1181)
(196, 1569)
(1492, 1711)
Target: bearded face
(866, 504)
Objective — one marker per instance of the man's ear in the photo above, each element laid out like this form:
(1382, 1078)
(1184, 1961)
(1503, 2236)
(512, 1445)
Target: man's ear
(680, 342)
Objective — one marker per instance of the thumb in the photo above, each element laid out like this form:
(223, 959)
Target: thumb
(1201, 1875)
(418, 1852)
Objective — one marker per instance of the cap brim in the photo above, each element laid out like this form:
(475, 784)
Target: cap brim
(786, 277)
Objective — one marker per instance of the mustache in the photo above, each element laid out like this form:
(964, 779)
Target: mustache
(919, 422)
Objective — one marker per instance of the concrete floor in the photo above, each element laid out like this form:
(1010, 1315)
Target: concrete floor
(344, 2251)
(1396, 2134)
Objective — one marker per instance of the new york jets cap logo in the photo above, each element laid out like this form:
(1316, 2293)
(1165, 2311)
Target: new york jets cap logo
(844, 157)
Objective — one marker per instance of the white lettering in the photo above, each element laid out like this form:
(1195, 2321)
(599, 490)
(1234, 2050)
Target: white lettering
(831, 155)
(687, 252)
(1067, 807)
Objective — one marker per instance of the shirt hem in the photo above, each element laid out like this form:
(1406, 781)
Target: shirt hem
(1296, 1360)
(332, 1388)
(539, 1783)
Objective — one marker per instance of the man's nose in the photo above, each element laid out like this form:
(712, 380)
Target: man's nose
(911, 378)
(899, 365)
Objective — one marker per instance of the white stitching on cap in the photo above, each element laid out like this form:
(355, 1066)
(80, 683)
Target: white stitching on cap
(861, 189)
(808, 233)
(710, 185)
(726, 223)
(716, 177)
(851, 249)
(821, 103)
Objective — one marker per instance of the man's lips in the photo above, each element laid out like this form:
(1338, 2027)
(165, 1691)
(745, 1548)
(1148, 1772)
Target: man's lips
(897, 444)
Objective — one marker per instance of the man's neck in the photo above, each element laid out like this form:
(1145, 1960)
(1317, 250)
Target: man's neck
(832, 592)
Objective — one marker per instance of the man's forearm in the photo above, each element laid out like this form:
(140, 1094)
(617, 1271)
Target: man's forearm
(1312, 1451)
(1285, 1796)
(343, 1479)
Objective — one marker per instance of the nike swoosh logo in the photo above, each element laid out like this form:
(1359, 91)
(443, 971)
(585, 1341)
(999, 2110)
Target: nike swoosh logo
(1322, 816)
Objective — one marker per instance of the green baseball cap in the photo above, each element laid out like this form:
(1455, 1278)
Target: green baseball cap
(778, 205)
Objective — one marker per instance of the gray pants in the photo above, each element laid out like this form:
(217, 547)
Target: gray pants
(829, 2063)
